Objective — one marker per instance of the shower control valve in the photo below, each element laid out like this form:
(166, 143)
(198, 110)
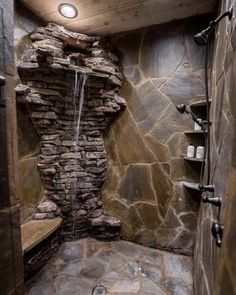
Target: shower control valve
(206, 188)
(216, 201)
(217, 232)
(2, 83)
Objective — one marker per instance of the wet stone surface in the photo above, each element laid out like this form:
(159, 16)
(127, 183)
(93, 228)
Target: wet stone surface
(88, 267)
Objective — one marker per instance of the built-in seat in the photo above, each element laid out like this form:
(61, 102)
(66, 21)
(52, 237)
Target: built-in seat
(34, 232)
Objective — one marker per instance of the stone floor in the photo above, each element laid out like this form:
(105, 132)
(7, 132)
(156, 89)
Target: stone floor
(118, 268)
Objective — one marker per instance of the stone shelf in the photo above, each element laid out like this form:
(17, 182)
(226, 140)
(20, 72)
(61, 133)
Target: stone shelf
(193, 159)
(35, 231)
(191, 185)
(199, 104)
(199, 108)
(193, 132)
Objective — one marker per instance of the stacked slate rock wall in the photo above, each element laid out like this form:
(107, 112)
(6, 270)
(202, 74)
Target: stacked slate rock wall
(72, 169)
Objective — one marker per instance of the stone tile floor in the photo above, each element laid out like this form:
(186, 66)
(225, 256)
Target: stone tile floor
(121, 267)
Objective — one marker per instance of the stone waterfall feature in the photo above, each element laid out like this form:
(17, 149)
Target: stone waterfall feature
(70, 84)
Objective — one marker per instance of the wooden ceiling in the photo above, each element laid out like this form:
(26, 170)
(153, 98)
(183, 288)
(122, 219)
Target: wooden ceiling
(112, 16)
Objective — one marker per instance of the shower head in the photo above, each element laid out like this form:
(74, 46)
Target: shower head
(202, 37)
(181, 108)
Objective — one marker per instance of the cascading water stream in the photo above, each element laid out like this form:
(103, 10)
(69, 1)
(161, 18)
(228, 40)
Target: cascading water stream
(81, 103)
(78, 94)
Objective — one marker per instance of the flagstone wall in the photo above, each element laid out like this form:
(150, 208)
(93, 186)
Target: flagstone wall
(162, 67)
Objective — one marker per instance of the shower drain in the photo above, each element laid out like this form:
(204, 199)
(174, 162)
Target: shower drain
(99, 290)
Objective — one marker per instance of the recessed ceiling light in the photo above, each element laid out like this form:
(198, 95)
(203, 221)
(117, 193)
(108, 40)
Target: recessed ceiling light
(68, 10)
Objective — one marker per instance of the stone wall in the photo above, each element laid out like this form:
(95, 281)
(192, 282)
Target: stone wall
(37, 257)
(71, 84)
(215, 271)
(11, 264)
(163, 67)
(30, 190)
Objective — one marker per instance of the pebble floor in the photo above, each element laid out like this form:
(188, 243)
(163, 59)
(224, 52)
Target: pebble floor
(88, 267)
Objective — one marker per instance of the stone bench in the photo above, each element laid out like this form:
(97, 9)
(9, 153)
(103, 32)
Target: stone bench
(40, 241)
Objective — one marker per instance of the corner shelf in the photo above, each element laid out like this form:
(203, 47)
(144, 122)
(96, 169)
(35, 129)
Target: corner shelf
(199, 104)
(199, 108)
(194, 132)
(196, 137)
(193, 159)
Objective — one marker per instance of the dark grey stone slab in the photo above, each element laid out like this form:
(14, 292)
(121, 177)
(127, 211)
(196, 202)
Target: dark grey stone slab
(177, 287)
(111, 257)
(147, 105)
(170, 122)
(137, 184)
(161, 52)
(72, 285)
(8, 42)
(70, 252)
(184, 87)
(117, 270)
(178, 266)
(129, 49)
(149, 287)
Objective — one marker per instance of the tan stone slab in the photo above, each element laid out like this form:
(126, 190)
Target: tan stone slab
(35, 231)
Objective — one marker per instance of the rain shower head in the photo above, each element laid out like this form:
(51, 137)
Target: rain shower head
(202, 37)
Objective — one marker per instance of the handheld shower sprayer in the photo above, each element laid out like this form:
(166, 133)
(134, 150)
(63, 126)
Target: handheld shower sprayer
(182, 108)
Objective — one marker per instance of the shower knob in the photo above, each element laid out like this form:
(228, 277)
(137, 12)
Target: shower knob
(217, 232)
(216, 201)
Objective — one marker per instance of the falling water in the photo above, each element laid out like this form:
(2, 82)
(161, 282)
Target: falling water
(78, 93)
(80, 88)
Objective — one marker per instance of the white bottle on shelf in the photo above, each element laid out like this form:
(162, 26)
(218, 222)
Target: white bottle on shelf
(190, 151)
(200, 152)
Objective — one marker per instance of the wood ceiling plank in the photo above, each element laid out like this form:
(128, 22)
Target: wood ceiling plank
(113, 16)
(44, 7)
(94, 8)
(142, 20)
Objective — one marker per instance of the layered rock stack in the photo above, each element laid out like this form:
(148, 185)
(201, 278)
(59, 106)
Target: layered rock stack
(72, 164)
(46, 210)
